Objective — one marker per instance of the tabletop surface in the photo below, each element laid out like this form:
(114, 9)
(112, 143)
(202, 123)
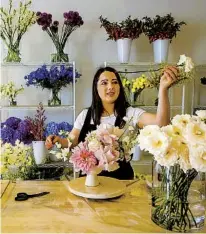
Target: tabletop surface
(62, 212)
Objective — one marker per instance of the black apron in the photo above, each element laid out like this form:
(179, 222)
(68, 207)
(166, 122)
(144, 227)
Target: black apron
(125, 171)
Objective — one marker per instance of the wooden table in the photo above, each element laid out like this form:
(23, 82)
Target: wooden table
(62, 212)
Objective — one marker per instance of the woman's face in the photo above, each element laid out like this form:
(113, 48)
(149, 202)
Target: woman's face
(108, 87)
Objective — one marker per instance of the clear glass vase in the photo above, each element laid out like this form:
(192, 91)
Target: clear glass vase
(59, 56)
(55, 98)
(13, 54)
(136, 98)
(178, 198)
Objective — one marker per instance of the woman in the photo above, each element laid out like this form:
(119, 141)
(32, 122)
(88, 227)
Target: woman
(109, 105)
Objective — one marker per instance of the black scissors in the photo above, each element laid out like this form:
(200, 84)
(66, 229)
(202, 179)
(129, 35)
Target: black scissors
(25, 196)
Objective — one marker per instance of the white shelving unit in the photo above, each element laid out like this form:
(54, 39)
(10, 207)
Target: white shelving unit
(10, 71)
(28, 101)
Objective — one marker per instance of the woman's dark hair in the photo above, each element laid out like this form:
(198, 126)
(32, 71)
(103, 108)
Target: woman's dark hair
(121, 103)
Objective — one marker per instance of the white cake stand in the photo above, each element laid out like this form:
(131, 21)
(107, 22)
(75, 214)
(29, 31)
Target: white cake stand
(107, 188)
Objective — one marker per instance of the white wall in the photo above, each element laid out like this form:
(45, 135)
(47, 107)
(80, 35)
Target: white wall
(88, 45)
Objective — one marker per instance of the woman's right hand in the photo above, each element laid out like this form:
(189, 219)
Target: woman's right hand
(51, 140)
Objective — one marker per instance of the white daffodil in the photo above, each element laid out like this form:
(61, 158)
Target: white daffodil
(198, 158)
(181, 121)
(196, 133)
(201, 114)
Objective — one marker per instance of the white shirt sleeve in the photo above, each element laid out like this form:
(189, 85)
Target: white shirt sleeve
(135, 113)
(79, 122)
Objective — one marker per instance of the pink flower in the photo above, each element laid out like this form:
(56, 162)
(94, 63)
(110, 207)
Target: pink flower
(83, 159)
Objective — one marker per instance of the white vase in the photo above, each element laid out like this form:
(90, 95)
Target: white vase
(161, 48)
(92, 180)
(39, 151)
(137, 153)
(123, 49)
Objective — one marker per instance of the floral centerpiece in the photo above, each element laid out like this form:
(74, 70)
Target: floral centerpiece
(180, 150)
(17, 161)
(161, 27)
(129, 28)
(134, 87)
(53, 79)
(16, 129)
(14, 24)
(10, 91)
(72, 21)
(102, 149)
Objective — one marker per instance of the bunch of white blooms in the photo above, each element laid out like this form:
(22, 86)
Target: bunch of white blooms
(182, 142)
(9, 90)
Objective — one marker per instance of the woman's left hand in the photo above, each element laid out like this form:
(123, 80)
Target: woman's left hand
(169, 77)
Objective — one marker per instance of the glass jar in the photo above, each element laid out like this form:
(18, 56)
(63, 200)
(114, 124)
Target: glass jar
(178, 198)
(55, 98)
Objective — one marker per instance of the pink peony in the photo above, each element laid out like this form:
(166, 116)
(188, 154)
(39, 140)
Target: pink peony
(83, 159)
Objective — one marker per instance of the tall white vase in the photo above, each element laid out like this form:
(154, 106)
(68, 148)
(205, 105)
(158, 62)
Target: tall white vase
(123, 49)
(39, 150)
(161, 49)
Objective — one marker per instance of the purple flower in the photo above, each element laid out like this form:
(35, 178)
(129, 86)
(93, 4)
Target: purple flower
(65, 126)
(51, 129)
(7, 134)
(12, 122)
(24, 128)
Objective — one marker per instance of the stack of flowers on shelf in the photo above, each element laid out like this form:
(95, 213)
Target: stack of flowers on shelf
(16, 161)
(14, 24)
(16, 129)
(72, 21)
(180, 150)
(53, 79)
(10, 91)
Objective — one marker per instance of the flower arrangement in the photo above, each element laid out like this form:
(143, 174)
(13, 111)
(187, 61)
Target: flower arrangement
(72, 21)
(54, 78)
(129, 28)
(16, 129)
(103, 148)
(17, 161)
(37, 124)
(180, 149)
(161, 27)
(185, 73)
(135, 86)
(10, 91)
(14, 24)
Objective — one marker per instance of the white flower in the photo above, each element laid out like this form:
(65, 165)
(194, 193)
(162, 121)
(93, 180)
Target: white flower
(198, 158)
(201, 114)
(157, 143)
(186, 62)
(196, 133)
(181, 121)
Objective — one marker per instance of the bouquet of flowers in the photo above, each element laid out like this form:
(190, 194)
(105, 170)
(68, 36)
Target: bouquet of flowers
(16, 129)
(72, 21)
(54, 78)
(129, 28)
(58, 129)
(103, 148)
(9, 90)
(16, 161)
(180, 150)
(135, 86)
(161, 27)
(14, 24)
(37, 124)
(185, 73)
